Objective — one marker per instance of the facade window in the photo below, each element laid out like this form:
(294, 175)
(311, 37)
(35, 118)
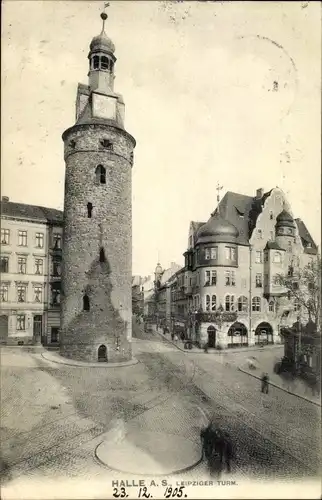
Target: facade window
(57, 241)
(289, 247)
(37, 294)
(271, 235)
(260, 233)
(5, 236)
(230, 303)
(39, 266)
(89, 209)
(198, 256)
(214, 277)
(289, 230)
(271, 306)
(213, 302)
(230, 278)
(102, 255)
(21, 322)
(207, 278)
(4, 289)
(207, 302)
(55, 294)
(277, 258)
(258, 256)
(242, 304)
(230, 253)
(22, 238)
(256, 304)
(190, 241)
(207, 253)
(100, 174)
(271, 216)
(86, 306)
(22, 293)
(40, 240)
(22, 265)
(107, 144)
(213, 253)
(54, 334)
(4, 267)
(56, 268)
(259, 280)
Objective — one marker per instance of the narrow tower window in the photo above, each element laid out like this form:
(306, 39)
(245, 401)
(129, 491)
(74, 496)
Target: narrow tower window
(86, 303)
(104, 63)
(89, 210)
(102, 255)
(96, 62)
(100, 174)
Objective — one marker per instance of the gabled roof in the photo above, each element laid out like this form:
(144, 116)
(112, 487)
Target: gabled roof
(235, 208)
(306, 239)
(32, 212)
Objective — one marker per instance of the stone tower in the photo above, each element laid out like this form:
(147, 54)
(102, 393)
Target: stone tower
(96, 301)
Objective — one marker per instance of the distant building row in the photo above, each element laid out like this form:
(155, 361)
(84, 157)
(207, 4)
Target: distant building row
(228, 293)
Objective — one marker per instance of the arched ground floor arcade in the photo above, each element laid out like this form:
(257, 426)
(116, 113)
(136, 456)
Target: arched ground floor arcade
(236, 334)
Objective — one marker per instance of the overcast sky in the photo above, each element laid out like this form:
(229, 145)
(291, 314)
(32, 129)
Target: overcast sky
(198, 83)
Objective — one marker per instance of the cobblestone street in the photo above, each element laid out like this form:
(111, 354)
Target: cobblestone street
(53, 416)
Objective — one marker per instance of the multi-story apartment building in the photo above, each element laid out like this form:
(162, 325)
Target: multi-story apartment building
(233, 261)
(31, 245)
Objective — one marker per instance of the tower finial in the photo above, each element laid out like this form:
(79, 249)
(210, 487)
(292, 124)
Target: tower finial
(218, 189)
(104, 16)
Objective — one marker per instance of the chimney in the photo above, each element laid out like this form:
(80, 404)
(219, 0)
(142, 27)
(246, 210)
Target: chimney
(259, 193)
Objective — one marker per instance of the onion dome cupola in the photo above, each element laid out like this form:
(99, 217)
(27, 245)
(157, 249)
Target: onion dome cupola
(101, 61)
(285, 224)
(217, 230)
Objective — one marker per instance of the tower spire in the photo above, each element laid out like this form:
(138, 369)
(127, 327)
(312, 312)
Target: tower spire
(104, 16)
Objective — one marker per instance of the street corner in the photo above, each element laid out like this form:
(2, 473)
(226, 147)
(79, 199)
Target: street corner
(55, 357)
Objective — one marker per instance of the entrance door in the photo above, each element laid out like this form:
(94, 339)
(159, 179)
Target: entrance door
(37, 328)
(102, 353)
(211, 336)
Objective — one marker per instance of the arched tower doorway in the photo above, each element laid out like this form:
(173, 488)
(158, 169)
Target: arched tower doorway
(237, 335)
(211, 330)
(102, 354)
(264, 334)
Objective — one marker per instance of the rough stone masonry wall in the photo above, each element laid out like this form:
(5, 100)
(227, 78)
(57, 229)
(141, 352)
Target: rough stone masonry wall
(108, 285)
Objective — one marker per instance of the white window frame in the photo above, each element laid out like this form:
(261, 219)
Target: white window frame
(207, 278)
(39, 240)
(256, 304)
(5, 236)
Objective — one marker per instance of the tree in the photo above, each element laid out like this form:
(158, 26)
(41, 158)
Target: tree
(304, 287)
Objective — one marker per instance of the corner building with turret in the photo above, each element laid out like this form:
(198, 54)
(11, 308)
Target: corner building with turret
(96, 302)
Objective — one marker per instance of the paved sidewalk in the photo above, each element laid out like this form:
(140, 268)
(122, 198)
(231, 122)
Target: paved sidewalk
(297, 387)
(196, 350)
(56, 358)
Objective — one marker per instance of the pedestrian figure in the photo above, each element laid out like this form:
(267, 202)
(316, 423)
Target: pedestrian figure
(176, 338)
(182, 336)
(206, 347)
(172, 336)
(265, 380)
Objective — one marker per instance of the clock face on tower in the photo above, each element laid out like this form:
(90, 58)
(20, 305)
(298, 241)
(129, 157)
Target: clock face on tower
(104, 106)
